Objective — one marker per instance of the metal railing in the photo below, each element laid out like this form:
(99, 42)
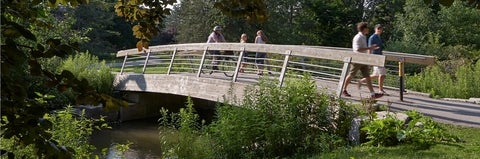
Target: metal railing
(324, 63)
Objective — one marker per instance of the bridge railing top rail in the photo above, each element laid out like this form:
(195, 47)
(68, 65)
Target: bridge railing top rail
(292, 50)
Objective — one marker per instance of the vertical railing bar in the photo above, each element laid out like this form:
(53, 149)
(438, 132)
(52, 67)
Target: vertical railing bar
(284, 67)
(202, 61)
(123, 64)
(341, 82)
(171, 61)
(146, 61)
(239, 63)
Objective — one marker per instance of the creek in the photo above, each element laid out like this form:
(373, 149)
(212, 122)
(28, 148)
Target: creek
(141, 135)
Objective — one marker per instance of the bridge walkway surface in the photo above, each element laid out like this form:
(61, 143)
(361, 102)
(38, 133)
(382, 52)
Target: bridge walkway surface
(188, 73)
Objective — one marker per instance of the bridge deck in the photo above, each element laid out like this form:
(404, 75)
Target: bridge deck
(466, 114)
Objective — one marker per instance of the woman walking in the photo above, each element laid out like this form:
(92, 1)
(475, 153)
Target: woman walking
(260, 56)
(243, 39)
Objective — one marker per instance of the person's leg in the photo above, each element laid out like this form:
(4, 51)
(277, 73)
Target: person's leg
(244, 60)
(353, 70)
(365, 74)
(381, 80)
(347, 81)
(372, 77)
(215, 59)
(260, 61)
(373, 95)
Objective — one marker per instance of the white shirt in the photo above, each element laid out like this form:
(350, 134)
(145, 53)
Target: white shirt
(215, 38)
(259, 40)
(359, 41)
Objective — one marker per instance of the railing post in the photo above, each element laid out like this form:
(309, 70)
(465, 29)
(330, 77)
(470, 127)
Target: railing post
(284, 67)
(202, 61)
(341, 83)
(239, 64)
(401, 75)
(123, 64)
(171, 61)
(146, 61)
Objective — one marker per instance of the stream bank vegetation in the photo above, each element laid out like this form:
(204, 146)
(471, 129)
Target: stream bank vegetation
(294, 121)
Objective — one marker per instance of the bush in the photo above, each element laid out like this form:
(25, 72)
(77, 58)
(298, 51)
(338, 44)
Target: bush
(181, 135)
(462, 83)
(271, 122)
(74, 132)
(280, 122)
(67, 129)
(420, 131)
(87, 66)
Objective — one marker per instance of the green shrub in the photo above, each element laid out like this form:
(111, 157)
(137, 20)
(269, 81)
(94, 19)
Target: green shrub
(67, 129)
(420, 131)
(383, 132)
(181, 135)
(281, 122)
(272, 122)
(463, 83)
(74, 132)
(87, 66)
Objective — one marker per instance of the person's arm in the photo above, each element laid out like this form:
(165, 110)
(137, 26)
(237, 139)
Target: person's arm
(256, 39)
(361, 49)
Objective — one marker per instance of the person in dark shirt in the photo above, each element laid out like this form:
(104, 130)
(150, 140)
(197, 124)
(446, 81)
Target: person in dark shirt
(378, 71)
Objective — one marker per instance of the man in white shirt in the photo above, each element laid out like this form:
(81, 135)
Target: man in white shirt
(359, 45)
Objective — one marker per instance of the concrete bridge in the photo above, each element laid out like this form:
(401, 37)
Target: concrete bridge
(186, 70)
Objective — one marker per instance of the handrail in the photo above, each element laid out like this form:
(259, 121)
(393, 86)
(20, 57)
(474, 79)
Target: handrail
(396, 56)
(179, 54)
(296, 50)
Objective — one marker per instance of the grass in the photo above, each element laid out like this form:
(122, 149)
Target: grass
(470, 148)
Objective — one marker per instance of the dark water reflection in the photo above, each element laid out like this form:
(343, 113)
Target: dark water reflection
(143, 134)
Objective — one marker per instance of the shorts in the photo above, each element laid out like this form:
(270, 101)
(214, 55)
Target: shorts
(245, 57)
(379, 71)
(260, 58)
(215, 57)
(359, 67)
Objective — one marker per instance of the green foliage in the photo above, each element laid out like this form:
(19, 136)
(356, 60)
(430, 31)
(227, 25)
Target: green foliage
(189, 141)
(146, 15)
(457, 25)
(383, 132)
(22, 114)
(280, 122)
(420, 131)
(461, 82)
(89, 67)
(271, 122)
(67, 129)
(74, 131)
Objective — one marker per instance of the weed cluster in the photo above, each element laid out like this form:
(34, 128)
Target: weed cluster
(461, 82)
(419, 131)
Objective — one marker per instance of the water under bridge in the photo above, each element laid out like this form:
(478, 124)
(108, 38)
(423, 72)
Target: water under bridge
(186, 70)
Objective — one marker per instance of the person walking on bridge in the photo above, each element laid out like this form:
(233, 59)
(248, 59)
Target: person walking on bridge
(378, 71)
(244, 39)
(359, 45)
(215, 37)
(261, 56)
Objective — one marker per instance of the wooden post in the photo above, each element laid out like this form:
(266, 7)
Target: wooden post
(284, 67)
(123, 65)
(401, 75)
(146, 61)
(202, 61)
(341, 83)
(239, 64)
(171, 61)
